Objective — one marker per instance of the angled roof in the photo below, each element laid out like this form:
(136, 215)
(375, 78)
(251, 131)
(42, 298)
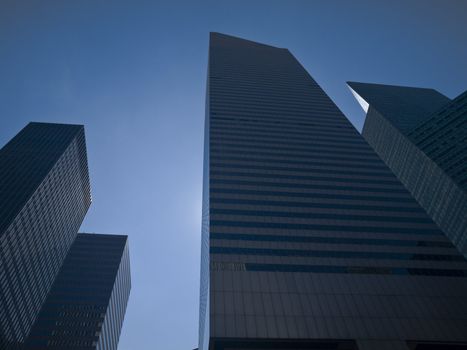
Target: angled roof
(405, 107)
(219, 39)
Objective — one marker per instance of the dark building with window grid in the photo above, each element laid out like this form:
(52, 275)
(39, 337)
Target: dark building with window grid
(86, 305)
(309, 241)
(44, 196)
(58, 289)
(422, 137)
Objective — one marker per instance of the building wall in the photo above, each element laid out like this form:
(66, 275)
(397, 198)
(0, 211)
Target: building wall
(421, 136)
(405, 107)
(442, 198)
(115, 313)
(443, 138)
(86, 305)
(311, 237)
(45, 194)
(203, 333)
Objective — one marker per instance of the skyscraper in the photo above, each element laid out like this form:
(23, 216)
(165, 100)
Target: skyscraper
(421, 135)
(44, 196)
(58, 289)
(86, 305)
(308, 240)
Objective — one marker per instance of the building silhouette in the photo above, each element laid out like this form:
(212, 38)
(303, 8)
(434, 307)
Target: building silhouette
(309, 241)
(86, 305)
(422, 136)
(44, 196)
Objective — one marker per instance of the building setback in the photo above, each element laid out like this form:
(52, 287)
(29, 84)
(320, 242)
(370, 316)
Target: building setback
(86, 305)
(58, 289)
(422, 135)
(308, 239)
(44, 196)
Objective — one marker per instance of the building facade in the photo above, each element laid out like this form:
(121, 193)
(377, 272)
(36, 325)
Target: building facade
(44, 196)
(421, 135)
(58, 289)
(86, 305)
(309, 241)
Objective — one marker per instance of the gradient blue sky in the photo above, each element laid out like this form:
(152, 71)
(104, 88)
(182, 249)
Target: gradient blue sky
(134, 73)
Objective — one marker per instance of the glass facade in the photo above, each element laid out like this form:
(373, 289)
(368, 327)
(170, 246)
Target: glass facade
(44, 196)
(442, 138)
(86, 305)
(308, 239)
(421, 135)
(58, 289)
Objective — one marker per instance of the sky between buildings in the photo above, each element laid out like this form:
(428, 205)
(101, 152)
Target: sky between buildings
(134, 73)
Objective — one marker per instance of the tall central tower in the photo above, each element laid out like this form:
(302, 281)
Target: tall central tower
(308, 240)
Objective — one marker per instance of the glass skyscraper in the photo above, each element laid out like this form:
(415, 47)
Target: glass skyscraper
(44, 196)
(86, 305)
(44, 263)
(309, 241)
(422, 137)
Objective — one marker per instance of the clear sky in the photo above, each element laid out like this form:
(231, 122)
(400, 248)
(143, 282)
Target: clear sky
(134, 73)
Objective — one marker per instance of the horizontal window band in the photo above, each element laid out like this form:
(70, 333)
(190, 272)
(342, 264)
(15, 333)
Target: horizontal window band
(239, 107)
(249, 153)
(356, 198)
(282, 214)
(289, 123)
(315, 146)
(256, 76)
(273, 167)
(251, 74)
(219, 105)
(289, 99)
(228, 266)
(304, 90)
(302, 177)
(267, 121)
(308, 186)
(288, 143)
(334, 254)
(238, 104)
(246, 78)
(317, 149)
(297, 132)
(232, 90)
(283, 203)
(324, 115)
(286, 119)
(330, 240)
(267, 132)
(274, 137)
(296, 162)
(318, 227)
(290, 129)
(237, 100)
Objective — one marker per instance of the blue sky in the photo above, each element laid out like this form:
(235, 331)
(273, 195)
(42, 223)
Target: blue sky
(134, 73)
